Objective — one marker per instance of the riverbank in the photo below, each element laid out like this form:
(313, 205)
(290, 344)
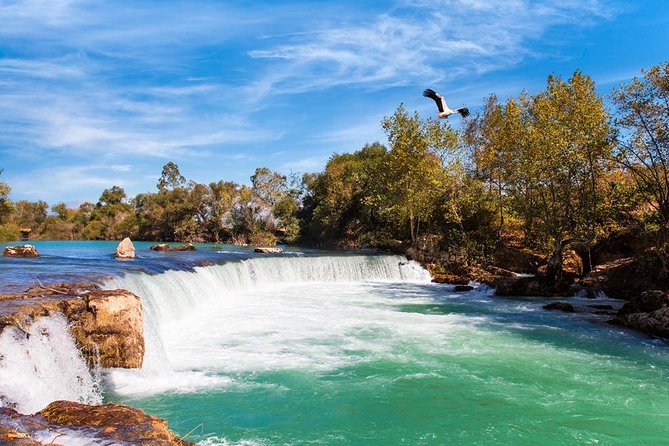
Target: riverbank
(518, 272)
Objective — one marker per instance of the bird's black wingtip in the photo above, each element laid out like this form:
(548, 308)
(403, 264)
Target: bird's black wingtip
(464, 112)
(428, 93)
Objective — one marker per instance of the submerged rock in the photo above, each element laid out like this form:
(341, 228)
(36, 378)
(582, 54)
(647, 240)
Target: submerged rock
(103, 424)
(125, 249)
(560, 306)
(268, 250)
(20, 251)
(166, 247)
(186, 247)
(462, 288)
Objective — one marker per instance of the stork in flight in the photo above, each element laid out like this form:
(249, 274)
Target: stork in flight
(444, 111)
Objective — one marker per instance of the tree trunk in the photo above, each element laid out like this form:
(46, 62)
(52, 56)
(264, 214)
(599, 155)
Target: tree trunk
(554, 267)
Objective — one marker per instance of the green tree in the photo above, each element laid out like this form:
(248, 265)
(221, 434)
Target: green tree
(412, 177)
(642, 118)
(60, 209)
(170, 177)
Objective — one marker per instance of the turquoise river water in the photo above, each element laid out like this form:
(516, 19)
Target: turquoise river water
(322, 348)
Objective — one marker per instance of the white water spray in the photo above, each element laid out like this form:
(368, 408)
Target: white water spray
(204, 326)
(43, 365)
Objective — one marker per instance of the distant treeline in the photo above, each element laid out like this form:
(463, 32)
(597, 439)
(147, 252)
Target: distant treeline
(540, 168)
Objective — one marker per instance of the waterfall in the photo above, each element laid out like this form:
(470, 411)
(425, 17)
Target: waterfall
(198, 312)
(42, 365)
(172, 294)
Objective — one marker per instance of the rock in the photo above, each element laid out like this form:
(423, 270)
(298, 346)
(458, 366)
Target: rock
(518, 260)
(107, 325)
(103, 424)
(166, 247)
(114, 421)
(20, 251)
(572, 264)
(560, 306)
(645, 302)
(462, 288)
(655, 323)
(453, 279)
(268, 250)
(648, 312)
(530, 286)
(125, 249)
(186, 247)
(113, 326)
(624, 278)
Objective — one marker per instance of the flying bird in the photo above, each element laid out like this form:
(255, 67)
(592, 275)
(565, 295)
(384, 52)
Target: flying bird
(444, 111)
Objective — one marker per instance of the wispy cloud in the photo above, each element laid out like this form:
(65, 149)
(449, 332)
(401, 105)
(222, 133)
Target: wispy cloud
(417, 41)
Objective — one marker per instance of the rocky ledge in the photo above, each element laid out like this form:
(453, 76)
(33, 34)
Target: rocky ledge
(107, 325)
(648, 312)
(103, 424)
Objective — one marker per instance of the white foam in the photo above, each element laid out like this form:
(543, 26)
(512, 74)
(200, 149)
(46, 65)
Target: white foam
(206, 328)
(44, 365)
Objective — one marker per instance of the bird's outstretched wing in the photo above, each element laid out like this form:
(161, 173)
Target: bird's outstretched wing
(464, 111)
(436, 97)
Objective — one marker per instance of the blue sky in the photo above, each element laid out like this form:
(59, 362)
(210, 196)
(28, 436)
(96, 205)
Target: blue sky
(98, 93)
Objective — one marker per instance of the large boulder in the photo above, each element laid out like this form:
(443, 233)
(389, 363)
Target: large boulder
(648, 312)
(125, 249)
(107, 325)
(624, 278)
(518, 260)
(20, 251)
(103, 424)
(111, 327)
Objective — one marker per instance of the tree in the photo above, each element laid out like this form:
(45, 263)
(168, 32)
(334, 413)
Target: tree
(5, 204)
(111, 196)
(413, 174)
(268, 185)
(643, 143)
(170, 178)
(60, 209)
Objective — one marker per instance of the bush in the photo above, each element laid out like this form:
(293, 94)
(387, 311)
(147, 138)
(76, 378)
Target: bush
(9, 233)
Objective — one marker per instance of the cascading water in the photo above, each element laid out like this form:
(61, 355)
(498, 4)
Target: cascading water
(42, 365)
(191, 315)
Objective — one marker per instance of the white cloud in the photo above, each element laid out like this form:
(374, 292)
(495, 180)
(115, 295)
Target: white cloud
(417, 42)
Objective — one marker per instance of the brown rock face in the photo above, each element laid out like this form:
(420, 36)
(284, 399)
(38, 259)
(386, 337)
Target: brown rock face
(115, 422)
(112, 326)
(125, 249)
(106, 324)
(20, 251)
